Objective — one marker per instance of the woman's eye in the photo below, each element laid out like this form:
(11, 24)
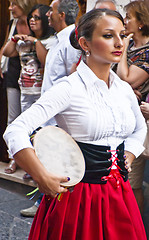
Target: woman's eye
(107, 36)
(123, 36)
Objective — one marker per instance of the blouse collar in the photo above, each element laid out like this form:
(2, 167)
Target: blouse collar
(89, 78)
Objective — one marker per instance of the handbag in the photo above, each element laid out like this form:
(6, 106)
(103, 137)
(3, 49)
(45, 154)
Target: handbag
(4, 59)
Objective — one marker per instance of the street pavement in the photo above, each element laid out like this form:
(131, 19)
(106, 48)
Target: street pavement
(13, 198)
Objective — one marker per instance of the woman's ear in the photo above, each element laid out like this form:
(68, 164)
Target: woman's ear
(84, 44)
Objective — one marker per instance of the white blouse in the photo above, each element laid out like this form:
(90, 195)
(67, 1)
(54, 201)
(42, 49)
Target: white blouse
(88, 110)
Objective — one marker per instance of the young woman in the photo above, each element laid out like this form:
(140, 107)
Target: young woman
(134, 69)
(102, 114)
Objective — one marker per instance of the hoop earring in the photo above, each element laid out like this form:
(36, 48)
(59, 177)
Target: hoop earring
(87, 53)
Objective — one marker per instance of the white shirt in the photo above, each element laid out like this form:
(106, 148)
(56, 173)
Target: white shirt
(88, 110)
(59, 59)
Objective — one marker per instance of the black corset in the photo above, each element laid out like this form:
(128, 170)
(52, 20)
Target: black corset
(98, 163)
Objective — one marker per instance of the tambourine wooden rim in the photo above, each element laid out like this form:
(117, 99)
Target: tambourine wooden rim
(59, 154)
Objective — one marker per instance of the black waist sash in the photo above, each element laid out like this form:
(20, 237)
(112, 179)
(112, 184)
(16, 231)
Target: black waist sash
(98, 163)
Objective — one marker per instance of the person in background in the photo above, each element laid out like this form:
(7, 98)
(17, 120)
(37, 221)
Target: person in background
(62, 16)
(109, 4)
(19, 10)
(101, 113)
(134, 69)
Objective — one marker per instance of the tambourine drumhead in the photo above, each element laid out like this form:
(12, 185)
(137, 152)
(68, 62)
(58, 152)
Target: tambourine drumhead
(59, 154)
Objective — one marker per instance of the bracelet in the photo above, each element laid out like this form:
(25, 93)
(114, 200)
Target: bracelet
(35, 41)
(14, 40)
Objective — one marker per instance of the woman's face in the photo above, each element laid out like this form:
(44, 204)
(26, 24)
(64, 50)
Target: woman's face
(131, 23)
(35, 22)
(16, 11)
(107, 42)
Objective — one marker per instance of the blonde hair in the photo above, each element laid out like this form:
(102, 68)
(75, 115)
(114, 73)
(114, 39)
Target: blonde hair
(26, 5)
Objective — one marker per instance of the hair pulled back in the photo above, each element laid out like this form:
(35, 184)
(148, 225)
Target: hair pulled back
(140, 9)
(87, 24)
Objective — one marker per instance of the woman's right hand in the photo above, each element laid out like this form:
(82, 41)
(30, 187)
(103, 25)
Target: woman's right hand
(51, 185)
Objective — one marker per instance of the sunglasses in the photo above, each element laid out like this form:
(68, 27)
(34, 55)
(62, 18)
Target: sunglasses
(35, 17)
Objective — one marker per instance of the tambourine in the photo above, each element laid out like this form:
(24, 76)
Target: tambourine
(59, 154)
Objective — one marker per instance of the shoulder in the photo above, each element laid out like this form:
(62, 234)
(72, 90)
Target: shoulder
(48, 42)
(120, 83)
(70, 81)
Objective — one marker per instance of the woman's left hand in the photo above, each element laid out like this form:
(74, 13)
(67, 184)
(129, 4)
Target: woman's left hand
(144, 106)
(129, 157)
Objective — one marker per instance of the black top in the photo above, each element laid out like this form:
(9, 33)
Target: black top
(14, 68)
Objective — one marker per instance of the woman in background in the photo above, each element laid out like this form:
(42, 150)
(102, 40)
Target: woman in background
(134, 69)
(19, 10)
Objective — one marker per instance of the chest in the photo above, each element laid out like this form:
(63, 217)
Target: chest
(23, 29)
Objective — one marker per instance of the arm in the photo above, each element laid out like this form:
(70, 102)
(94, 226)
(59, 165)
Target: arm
(41, 51)
(2, 48)
(138, 135)
(134, 75)
(10, 47)
(17, 136)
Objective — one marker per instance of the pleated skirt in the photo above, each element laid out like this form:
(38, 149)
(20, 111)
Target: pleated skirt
(91, 212)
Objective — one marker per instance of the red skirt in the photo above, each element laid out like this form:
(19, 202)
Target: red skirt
(91, 212)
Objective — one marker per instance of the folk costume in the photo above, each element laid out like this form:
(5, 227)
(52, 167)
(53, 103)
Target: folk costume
(104, 122)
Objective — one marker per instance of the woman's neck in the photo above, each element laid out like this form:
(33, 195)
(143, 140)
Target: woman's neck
(22, 26)
(22, 20)
(38, 34)
(140, 40)
(101, 70)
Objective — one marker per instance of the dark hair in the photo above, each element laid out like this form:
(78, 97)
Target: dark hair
(140, 10)
(82, 1)
(70, 8)
(87, 24)
(47, 31)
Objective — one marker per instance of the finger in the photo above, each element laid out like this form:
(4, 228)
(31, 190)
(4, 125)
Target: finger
(127, 164)
(64, 179)
(63, 190)
(129, 169)
(130, 36)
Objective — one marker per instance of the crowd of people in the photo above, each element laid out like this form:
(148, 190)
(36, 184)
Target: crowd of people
(88, 76)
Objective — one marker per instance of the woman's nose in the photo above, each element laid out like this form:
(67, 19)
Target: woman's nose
(119, 43)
